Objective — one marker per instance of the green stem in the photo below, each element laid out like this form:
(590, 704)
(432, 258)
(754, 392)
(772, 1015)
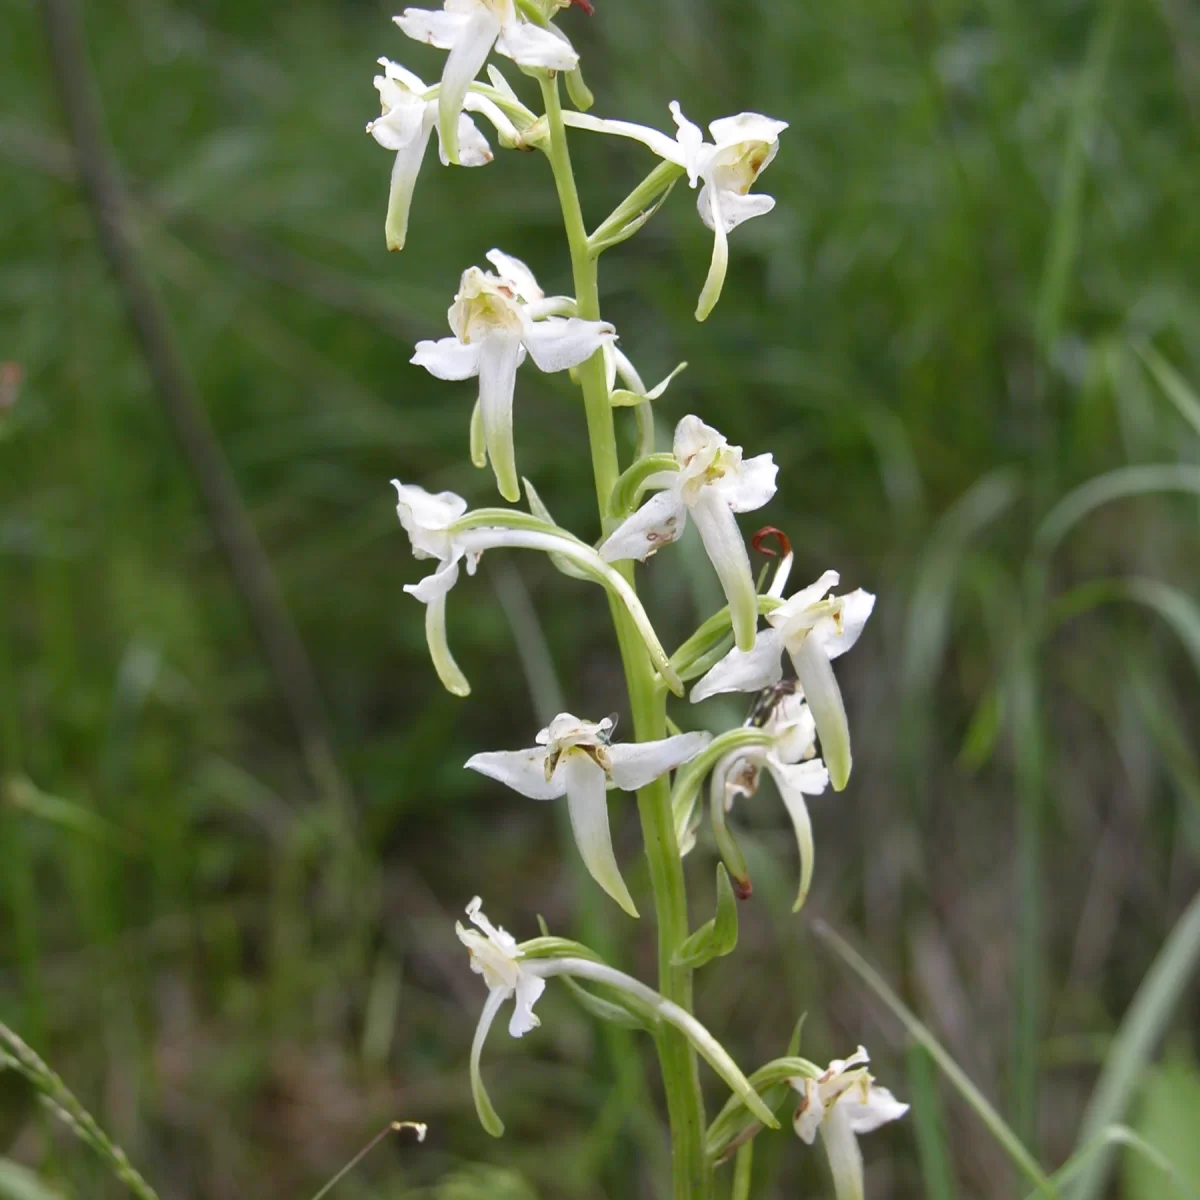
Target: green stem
(685, 1105)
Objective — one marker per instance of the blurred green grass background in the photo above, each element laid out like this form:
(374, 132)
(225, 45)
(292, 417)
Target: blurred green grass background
(987, 211)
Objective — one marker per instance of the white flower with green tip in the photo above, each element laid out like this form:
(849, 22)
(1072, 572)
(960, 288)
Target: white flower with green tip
(790, 759)
(711, 484)
(742, 147)
(405, 126)
(812, 630)
(496, 319)
(469, 29)
(577, 759)
(840, 1105)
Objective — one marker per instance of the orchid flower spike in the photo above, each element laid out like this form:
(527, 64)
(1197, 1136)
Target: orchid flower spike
(789, 758)
(469, 29)
(711, 483)
(407, 121)
(841, 1104)
(496, 319)
(742, 148)
(811, 630)
(578, 759)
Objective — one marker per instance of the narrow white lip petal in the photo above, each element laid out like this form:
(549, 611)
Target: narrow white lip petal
(845, 1157)
(529, 988)
(794, 782)
(514, 270)
(745, 127)
(448, 671)
(440, 29)
(717, 268)
(473, 148)
(499, 356)
(737, 209)
(635, 764)
(477, 35)
(532, 46)
(488, 1117)
(837, 638)
(448, 358)
(405, 170)
(561, 342)
(880, 1108)
(587, 802)
(659, 521)
(825, 701)
(782, 574)
(753, 486)
(744, 671)
(522, 770)
(727, 551)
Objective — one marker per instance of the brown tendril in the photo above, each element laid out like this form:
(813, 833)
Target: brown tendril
(769, 531)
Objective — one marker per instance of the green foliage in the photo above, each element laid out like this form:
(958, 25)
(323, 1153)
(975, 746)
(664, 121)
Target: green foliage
(1167, 1120)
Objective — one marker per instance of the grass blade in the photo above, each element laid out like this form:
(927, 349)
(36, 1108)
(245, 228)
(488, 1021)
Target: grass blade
(1173, 385)
(930, 1126)
(1142, 1028)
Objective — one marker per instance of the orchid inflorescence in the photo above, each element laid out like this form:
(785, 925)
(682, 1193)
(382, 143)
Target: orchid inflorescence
(797, 733)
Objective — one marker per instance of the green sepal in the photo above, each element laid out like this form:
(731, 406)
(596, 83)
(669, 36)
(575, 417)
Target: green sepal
(627, 491)
(735, 1125)
(718, 935)
(636, 209)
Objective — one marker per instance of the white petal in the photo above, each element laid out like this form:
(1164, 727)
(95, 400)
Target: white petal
(440, 29)
(529, 988)
(794, 782)
(531, 46)
(825, 700)
(744, 671)
(514, 270)
(880, 1108)
(736, 208)
(453, 680)
(745, 127)
(436, 586)
(723, 540)
(469, 53)
(522, 770)
(690, 138)
(447, 358)
(752, 486)
(402, 75)
(506, 130)
(782, 574)
(404, 120)
(836, 638)
(635, 764)
(794, 728)
(665, 147)
(587, 802)
(499, 356)
(659, 521)
(483, 1105)
(711, 292)
(845, 1158)
(561, 342)
(473, 148)
(405, 170)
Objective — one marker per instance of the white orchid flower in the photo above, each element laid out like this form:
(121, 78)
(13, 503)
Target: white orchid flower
(496, 319)
(789, 758)
(427, 519)
(840, 1105)
(469, 29)
(711, 483)
(811, 630)
(407, 121)
(742, 147)
(577, 759)
(511, 974)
